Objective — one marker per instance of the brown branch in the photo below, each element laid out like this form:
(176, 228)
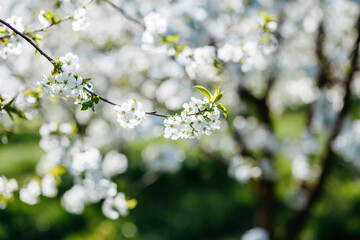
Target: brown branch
(324, 74)
(300, 217)
(152, 113)
(28, 40)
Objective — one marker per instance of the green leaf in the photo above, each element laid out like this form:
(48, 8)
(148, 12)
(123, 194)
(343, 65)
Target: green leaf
(48, 15)
(11, 109)
(3, 30)
(223, 110)
(171, 38)
(215, 94)
(131, 203)
(204, 91)
(265, 38)
(58, 170)
(85, 105)
(218, 97)
(97, 98)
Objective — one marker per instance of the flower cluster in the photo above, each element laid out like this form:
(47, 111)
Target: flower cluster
(230, 52)
(81, 21)
(64, 82)
(129, 114)
(115, 206)
(202, 64)
(11, 46)
(30, 194)
(91, 174)
(205, 63)
(7, 187)
(155, 28)
(47, 186)
(198, 117)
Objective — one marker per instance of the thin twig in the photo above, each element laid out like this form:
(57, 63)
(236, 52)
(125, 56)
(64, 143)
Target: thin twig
(28, 40)
(47, 27)
(152, 113)
(125, 15)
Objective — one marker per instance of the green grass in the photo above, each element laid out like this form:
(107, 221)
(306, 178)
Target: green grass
(19, 158)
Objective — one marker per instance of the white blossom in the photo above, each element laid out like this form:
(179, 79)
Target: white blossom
(89, 159)
(15, 22)
(11, 48)
(113, 207)
(48, 185)
(193, 121)
(81, 21)
(255, 234)
(114, 163)
(129, 114)
(154, 23)
(230, 52)
(74, 199)
(7, 187)
(30, 194)
(70, 63)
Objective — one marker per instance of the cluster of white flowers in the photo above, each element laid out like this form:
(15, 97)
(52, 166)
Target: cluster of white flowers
(130, 114)
(114, 163)
(11, 46)
(81, 21)
(46, 186)
(205, 63)
(67, 84)
(202, 64)
(95, 185)
(115, 206)
(243, 169)
(30, 194)
(230, 52)
(155, 28)
(255, 136)
(90, 173)
(198, 117)
(7, 187)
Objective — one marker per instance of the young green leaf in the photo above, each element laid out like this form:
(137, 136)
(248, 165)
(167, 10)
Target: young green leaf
(171, 38)
(218, 97)
(223, 109)
(97, 98)
(216, 93)
(204, 91)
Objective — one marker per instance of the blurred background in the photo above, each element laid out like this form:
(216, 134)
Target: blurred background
(284, 165)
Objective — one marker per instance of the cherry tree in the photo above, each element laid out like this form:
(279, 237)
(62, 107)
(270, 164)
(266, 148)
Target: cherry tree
(258, 84)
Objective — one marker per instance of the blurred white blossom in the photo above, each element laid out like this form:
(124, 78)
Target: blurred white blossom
(114, 163)
(255, 234)
(81, 21)
(30, 194)
(7, 188)
(113, 207)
